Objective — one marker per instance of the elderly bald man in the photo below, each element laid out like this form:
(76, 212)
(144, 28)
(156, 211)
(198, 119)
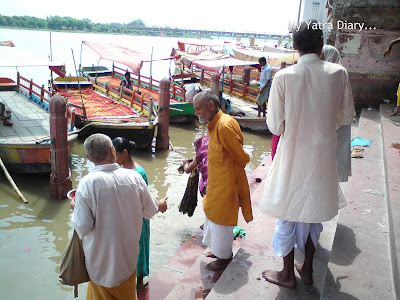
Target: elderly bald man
(227, 188)
(110, 204)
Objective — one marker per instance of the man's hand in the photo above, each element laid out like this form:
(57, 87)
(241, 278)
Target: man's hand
(163, 205)
(72, 204)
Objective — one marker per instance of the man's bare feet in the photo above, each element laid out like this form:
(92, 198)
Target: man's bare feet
(209, 254)
(279, 278)
(396, 111)
(218, 264)
(305, 276)
(139, 283)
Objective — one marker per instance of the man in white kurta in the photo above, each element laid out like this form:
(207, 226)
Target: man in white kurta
(306, 102)
(110, 204)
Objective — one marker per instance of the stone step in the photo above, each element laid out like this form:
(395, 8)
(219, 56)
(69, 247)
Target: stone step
(360, 265)
(391, 146)
(357, 253)
(242, 279)
(183, 276)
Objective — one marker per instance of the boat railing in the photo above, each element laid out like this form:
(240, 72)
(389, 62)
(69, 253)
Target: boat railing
(36, 93)
(41, 96)
(233, 88)
(140, 101)
(140, 81)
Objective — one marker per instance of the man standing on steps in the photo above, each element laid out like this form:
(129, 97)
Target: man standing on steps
(227, 187)
(265, 86)
(307, 100)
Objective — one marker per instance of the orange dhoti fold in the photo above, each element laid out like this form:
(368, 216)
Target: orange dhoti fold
(124, 291)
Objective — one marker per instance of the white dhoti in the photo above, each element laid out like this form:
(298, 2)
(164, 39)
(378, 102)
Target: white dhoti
(219, 238)
(294, 234)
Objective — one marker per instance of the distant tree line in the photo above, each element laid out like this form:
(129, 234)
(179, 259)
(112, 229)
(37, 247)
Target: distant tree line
(85, 25)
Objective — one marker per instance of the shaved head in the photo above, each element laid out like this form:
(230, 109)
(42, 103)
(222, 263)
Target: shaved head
(97, 147)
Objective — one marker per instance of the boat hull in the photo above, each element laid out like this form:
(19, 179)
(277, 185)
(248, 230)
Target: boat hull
(253, 124)
(184, 112)
(141, 135)
(29, 158)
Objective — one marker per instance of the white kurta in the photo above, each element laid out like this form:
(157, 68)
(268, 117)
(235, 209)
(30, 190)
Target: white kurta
(110, 205)
(306, 102)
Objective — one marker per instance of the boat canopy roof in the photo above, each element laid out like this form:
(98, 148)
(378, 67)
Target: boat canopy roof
(127, 57)
(211, 61)
(193, 47)
(16, 58)
(274, 58)
(217, 65)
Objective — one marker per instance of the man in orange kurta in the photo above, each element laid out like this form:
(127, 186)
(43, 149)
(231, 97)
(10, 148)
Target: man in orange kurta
(227, 188)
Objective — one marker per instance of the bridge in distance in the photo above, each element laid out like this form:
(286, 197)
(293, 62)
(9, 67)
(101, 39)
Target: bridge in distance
(210, 32)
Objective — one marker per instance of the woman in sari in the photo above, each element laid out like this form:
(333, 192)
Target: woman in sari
(124, 148)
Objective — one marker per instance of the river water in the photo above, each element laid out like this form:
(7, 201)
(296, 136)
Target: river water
(33, 236)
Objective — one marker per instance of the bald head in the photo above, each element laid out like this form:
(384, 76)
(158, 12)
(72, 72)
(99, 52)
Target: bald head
(206, 105)
(99, 149)
(207, 97)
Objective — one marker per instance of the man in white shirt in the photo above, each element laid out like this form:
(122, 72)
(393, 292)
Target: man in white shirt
(307, 100)
(110, 204)
(265, 86)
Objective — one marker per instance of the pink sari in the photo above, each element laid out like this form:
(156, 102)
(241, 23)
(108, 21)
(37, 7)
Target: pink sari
(274, 144)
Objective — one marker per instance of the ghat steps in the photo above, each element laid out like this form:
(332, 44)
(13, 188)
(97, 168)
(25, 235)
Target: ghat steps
(357, 253)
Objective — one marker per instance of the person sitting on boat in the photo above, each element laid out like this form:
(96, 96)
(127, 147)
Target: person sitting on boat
(127, 81)
(265, 86)
(124, 159)
(192, 90)
(5, 115)
(110, 204)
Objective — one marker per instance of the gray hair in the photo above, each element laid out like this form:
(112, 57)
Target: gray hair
(330, 54)
(97, 147)
(207, 96)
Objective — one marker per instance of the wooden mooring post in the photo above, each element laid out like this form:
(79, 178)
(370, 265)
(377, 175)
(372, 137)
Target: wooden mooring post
(215, 84)
(60, 182)
(162, 140)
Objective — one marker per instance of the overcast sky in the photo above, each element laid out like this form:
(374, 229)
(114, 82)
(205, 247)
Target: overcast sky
(267, 16)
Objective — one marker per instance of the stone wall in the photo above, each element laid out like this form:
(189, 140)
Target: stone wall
(373, 76)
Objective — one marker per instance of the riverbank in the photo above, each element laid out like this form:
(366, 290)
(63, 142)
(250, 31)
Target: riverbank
(358, 249)
(101, 32)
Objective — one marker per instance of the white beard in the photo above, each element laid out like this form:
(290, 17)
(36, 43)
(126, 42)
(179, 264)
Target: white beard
(201, 120)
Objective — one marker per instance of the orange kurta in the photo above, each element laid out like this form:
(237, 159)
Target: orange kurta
(227, 187)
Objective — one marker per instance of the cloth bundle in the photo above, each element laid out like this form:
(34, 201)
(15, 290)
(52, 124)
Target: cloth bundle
(73, 268)
(189, 200)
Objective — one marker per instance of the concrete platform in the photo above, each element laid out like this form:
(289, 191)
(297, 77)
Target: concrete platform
(357, 253)
(360, 264)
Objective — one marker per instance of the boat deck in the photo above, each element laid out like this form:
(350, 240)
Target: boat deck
(114, 81)
(30, 122)
(99, 106)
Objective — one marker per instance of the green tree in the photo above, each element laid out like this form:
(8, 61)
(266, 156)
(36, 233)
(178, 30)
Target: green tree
(137, 23)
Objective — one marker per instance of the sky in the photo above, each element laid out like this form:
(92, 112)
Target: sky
(268, 16)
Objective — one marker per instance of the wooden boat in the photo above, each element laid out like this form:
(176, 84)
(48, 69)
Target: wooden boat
(96, 113)
(25, 146)
(253, 124)
(203, 61)
(142, 87)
